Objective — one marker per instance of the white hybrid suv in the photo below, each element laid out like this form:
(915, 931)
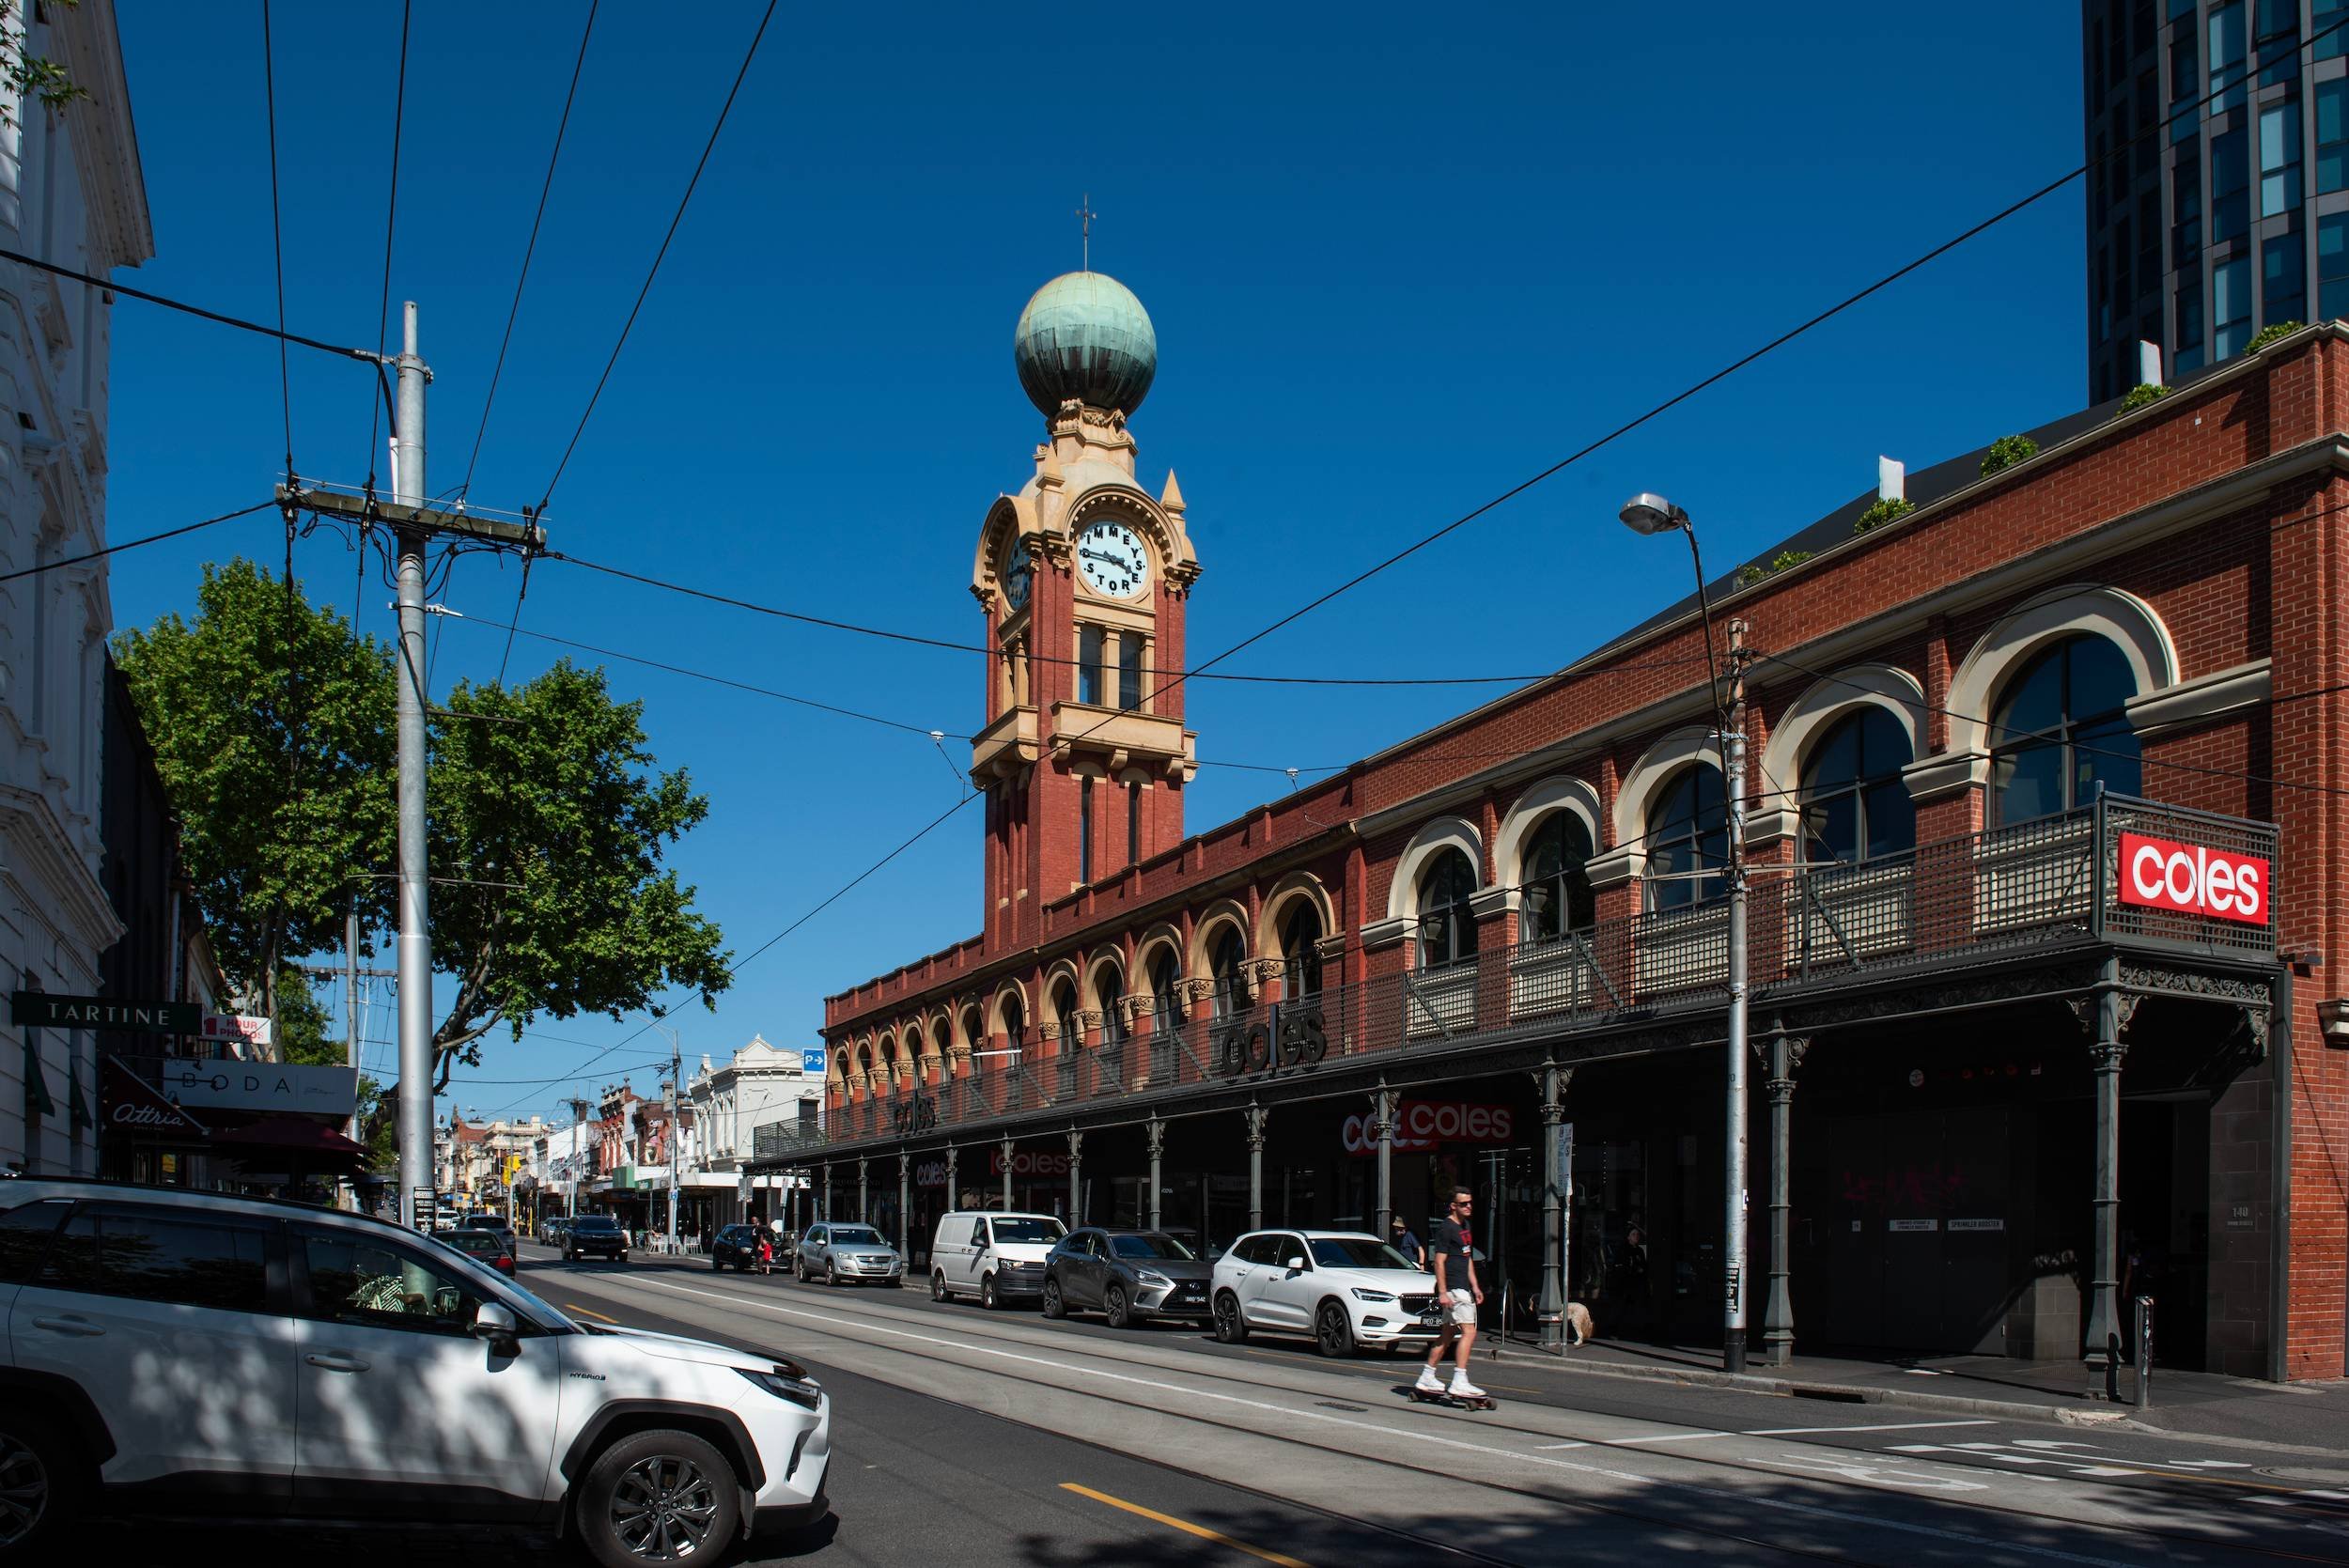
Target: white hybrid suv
(190, 1352)
(1343, 1288)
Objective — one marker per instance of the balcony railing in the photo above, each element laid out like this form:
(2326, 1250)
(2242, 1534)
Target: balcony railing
(1990, 895)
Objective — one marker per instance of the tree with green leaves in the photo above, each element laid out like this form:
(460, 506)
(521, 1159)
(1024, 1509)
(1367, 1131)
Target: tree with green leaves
(35, 77)
(272, 728)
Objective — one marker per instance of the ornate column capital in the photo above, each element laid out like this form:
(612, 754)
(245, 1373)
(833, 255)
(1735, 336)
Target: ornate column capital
(2106, 1055)
(1256, 1116)
(1076, 1144)
(1154, 1133)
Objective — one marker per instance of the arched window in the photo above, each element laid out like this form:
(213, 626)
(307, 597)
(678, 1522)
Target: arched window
(1225, 957)
(1014, 1024)
(912, 1048)
(1447, 927)
(1064, 1014)
(975, 1064)
(1300, 950)
(2061, 730)
(1166, 977)
(1556, 893)
(1687, 840)
(1855, 803)
(1112, 990)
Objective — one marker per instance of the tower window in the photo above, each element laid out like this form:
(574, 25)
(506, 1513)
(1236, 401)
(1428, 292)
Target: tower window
(1089, 665)
(1133, 823)
(1129, 670)
(1085, 828)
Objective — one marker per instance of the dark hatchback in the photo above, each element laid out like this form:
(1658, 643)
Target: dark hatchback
(1130, 1277)
(487, 1246)
(735, 1247)
(596, 1235)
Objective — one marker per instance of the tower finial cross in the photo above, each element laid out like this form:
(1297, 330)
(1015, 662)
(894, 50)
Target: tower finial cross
(1086, 214)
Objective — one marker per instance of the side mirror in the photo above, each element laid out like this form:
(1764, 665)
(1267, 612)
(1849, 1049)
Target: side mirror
(495, 1322)
(1295, 1265)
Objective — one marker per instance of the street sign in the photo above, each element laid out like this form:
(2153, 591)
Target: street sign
(55, 1009)
(812, 1060)
(246, 1027)
(262, 1086)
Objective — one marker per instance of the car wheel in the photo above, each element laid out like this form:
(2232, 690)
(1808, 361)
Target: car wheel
(1053, 1305)
(1230, 1326)
(657, 1496)
(716, 1266)
(832, 1274)
(937, 1284)
(1333, 1331)
(798, 1269)
(1116, 1308)
(986, 1294)
(40, 1488)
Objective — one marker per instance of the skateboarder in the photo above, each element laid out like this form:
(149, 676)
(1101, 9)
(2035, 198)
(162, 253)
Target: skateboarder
(1452, 1247)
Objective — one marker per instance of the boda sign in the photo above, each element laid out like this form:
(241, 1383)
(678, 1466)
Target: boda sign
(1421, 1125)
(2192, 880)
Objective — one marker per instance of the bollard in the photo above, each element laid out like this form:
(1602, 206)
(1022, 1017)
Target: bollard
(2144, 1352)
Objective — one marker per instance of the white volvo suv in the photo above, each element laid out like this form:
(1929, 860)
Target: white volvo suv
(1343, 1288)
(187, 1352)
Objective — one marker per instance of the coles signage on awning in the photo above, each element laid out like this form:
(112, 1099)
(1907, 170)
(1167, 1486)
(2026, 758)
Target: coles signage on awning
(2193, 879)
(1421, 1125)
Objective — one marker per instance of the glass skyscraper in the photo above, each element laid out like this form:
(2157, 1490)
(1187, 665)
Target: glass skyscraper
(2230, 216)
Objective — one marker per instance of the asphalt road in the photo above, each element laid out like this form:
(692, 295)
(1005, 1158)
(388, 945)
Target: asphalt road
(966, 1436)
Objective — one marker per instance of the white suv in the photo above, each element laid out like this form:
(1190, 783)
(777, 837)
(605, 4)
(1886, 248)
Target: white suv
(182, 1351)
(1343, 1288)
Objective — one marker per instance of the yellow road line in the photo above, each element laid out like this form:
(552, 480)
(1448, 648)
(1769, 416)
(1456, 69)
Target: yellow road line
(574, 1306)
(1201, 1531)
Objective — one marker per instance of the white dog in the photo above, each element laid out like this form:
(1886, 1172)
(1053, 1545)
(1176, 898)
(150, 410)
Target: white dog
(1579, 1321)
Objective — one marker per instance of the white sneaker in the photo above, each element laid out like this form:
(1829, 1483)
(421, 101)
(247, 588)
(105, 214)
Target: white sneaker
(1429, 1381)
(1462, 1388)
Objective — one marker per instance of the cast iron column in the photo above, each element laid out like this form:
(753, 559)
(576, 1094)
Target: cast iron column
(954, 1192)
(863, 1192)
(1778, 1313)
(1549, 1311)
(1075, 1179)
(905, 1196)
(1382, 1104)
(826, 1216)
(1155, 1130)
(2113, 1011)
(1255, 1114)
(1009, 1147)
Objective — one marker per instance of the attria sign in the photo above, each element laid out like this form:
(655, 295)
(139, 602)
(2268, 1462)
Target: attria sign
(2192, 880)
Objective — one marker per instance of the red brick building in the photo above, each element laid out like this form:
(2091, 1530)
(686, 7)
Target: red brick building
(1983, 1017)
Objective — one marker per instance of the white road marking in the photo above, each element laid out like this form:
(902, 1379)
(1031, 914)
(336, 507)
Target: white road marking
(1670, 1437)
(1888, 1426)
(1740, 1498)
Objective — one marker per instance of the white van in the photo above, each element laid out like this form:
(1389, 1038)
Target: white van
(994, 1256)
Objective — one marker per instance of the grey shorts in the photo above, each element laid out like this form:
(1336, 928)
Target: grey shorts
(1461, 1307)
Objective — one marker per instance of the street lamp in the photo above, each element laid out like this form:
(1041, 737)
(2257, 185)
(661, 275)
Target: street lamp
(1648, 514)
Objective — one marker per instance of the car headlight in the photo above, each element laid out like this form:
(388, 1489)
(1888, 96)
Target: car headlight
(1384, 1298)
(787, 1383)
(1153, 1279)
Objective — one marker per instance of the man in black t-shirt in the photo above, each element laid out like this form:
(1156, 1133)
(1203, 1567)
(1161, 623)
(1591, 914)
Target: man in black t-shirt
(1451, 1252)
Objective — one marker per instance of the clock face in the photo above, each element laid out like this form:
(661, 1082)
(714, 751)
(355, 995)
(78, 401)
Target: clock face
(1019, 572)
(1113, 560)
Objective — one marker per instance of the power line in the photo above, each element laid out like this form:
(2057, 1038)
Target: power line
(530, 249)
(728, 108)
(218, 318)
(391, 214)
(134, 544)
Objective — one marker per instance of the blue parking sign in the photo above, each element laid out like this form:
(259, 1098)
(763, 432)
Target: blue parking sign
(812, 1059)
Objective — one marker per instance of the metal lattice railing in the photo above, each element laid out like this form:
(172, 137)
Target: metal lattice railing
(2051, 881)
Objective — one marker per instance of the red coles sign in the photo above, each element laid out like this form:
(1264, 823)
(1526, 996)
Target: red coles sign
(2192, 880)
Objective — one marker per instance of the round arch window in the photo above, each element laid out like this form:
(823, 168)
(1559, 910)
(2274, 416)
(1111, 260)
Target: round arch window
(1557, 896)
(1300, 950)
(1687, 834)
(1225, 955)
(2062, 729)
(1447, 926)
(1855, 804)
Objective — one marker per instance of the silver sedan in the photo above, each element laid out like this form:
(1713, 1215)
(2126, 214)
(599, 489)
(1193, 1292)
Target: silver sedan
(847, 1254)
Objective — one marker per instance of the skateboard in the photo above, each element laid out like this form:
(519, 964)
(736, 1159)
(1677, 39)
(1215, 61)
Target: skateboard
(1458, 1402)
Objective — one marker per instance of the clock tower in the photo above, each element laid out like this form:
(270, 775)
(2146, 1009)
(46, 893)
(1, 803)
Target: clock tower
(1084, 577)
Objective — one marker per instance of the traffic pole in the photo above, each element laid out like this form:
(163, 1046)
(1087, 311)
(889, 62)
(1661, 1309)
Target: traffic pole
(414, 941)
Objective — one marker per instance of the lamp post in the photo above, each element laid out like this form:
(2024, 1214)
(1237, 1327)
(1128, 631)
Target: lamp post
(1648, 514)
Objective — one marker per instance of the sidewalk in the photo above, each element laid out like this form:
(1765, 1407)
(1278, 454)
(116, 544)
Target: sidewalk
(2303, 1417)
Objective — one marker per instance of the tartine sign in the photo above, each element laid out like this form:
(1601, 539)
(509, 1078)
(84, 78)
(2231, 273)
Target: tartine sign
(55, 1009)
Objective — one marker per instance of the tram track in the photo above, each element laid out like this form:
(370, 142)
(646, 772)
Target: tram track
(915, 1327)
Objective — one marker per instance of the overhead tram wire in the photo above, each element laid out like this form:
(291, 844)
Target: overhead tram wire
(268, 505)
(200, 312)
(660, 256)
(834, 897)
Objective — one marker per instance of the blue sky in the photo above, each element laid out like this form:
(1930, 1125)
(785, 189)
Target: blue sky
(1393, 271)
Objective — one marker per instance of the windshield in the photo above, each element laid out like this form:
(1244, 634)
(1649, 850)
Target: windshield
(477, 1241)
(594, 1222)
(855, 1235)
(1358, 1252)
(1154, 1245)
(1027, 1230)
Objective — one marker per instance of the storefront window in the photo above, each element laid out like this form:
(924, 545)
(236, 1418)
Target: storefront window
(1447, 927)
(1557, 895)
(2062, 730)
(1688, 831)
(1855, 803)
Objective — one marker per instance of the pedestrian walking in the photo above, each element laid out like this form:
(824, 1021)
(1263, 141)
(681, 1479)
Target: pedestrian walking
(1408, 1244)
(766, 1255)
(1454, 1247)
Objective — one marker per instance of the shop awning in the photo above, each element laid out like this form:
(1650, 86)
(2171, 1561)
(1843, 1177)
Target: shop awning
(128, 1103)
(294, 1139)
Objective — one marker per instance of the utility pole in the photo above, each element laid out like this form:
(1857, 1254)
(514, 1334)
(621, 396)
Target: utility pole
(1733, 1229)
(670, 1095)
(579, 1148)
(414, 525)
(350, 1019)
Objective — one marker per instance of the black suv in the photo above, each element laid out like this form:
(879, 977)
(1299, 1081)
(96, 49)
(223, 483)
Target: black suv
(594, 1235)
(1128, 1276)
